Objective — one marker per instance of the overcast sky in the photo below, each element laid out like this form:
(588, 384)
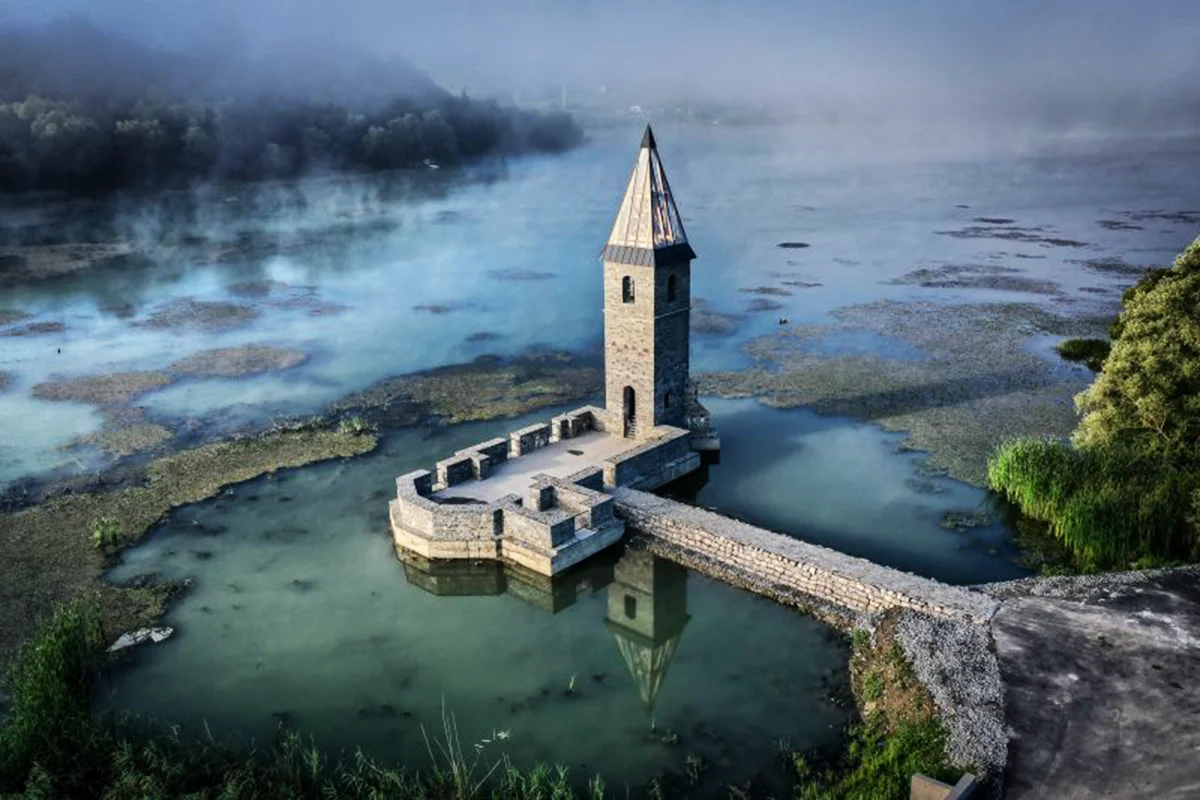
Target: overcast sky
(886, 52)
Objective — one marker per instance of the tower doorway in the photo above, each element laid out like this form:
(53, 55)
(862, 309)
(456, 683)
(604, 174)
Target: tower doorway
(630, 411)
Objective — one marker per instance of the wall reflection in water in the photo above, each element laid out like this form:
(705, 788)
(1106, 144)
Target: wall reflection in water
(647, 600)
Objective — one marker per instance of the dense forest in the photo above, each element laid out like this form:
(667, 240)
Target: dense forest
(84, 111)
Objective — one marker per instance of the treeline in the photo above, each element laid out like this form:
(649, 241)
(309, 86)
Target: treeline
(65, 125)
(1126, 491)
(51, 144)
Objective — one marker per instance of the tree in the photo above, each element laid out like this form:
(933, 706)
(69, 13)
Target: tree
(1149, 392)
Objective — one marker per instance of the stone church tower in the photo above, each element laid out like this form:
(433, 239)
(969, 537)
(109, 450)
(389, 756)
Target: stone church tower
(647, 304)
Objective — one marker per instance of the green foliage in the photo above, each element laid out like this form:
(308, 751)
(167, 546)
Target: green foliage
(106, 532)
(1091, 352)
(879, 764)
(1111, 506)
(1127, 494)
(860, 638)
(1149, 393)
(49, 724)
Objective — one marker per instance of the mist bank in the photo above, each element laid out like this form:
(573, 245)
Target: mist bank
(85, 112)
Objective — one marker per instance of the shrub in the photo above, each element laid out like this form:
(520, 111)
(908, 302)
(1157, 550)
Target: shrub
(106, 532)
(1091, 352)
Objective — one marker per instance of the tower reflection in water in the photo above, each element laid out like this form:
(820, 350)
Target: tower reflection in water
(646, 611)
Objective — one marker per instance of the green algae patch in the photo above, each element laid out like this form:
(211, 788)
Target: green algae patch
(48, 554)
(205, 315)
(102, 390)
(234, 362)
(979, 386)
(486, 388)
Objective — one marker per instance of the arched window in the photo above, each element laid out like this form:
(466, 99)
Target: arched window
(627, 289)
(630, 404)
(671, 288)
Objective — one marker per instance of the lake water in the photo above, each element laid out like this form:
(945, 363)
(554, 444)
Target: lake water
(300, 606)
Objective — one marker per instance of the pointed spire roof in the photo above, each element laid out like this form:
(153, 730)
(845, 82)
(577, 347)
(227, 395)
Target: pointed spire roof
(648, 229)
(647, 662)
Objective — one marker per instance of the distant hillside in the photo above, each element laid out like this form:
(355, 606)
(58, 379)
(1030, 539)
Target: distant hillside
(84, 111)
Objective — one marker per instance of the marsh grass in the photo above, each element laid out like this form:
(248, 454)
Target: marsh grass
(1112, 507)
(1090, 352)
(106, 532)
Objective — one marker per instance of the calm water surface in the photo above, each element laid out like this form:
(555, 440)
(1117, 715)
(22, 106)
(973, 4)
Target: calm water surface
(300, 608)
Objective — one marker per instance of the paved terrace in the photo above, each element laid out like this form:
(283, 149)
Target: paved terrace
(558, 460)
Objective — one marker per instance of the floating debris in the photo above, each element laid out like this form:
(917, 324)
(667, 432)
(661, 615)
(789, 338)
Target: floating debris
(134, 638)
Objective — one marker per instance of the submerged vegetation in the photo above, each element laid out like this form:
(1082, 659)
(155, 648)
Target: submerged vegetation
(166, 120)
(1126, 491)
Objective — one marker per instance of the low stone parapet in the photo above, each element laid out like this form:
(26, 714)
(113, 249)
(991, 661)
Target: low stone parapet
(528, 439)
(819, 572)
(651, 459)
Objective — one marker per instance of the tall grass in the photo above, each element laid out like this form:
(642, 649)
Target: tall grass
(1111, 506)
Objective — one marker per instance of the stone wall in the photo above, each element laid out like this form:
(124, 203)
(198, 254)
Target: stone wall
(649, 459)
(528, 439)
(854, 583)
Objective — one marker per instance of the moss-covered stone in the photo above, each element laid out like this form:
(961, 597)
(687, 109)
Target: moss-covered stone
(47, 551)
(102, 390)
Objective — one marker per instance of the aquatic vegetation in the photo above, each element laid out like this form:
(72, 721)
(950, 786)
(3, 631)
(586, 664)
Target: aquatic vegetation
(11, 317)
(121, 439)
(773, 291)
(705, 320)
(520, 275)
(978, 386)
(762, 304)
(1091, 352)
(235, 362)
(484, 336)
(102, 390)
(976, 276)
(486, 388)
(206, 315)
(793, 245)
(994, 220)
(1109, 266)
(49, 548)
(1033, 234)
(41, 262)
(5, 380)
(35, 329)
(1118, 225)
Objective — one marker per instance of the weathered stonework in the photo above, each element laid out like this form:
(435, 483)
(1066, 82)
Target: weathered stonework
(827, 575)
